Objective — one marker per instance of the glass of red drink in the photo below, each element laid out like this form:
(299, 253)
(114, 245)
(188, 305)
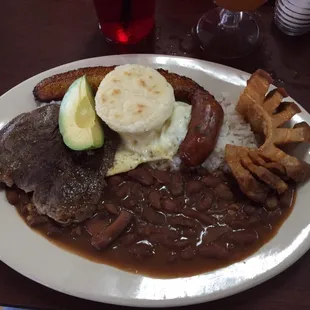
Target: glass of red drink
(228, 31)
(125, 21)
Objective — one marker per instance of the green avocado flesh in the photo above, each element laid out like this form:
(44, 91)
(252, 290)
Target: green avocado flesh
(79, 125)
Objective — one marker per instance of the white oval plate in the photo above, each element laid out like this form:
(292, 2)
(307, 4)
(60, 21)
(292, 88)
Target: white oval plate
(35, 257)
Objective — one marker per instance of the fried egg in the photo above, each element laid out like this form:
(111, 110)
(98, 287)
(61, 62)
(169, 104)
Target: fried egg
(164, 144)
(138, 103)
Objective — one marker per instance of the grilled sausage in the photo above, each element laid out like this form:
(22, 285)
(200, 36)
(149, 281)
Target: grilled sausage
(205, 124)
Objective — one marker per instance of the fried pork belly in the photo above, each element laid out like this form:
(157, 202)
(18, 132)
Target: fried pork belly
(258, 171)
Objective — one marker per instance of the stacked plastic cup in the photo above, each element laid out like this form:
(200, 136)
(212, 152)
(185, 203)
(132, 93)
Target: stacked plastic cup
(293, 16)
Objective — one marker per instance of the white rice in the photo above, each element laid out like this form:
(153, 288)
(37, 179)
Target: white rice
(235, 130)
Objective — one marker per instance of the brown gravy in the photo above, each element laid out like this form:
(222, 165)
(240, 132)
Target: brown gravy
(185, 223)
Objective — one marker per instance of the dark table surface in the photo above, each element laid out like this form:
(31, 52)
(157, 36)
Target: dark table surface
(36, 35)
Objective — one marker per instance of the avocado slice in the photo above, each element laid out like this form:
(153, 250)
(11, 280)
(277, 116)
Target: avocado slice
(79, 124)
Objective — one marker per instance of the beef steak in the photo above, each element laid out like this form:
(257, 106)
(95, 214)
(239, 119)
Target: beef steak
(67, 184)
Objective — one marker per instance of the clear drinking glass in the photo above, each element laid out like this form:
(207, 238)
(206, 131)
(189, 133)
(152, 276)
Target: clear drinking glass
(125, 21)
(228, 31)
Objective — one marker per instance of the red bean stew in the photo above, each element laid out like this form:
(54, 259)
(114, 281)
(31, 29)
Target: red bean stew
(167, 224)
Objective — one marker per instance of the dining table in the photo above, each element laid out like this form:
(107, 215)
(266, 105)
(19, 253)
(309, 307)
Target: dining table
(37, 35)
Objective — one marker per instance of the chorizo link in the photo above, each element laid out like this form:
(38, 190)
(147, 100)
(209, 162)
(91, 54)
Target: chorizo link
(205, 124)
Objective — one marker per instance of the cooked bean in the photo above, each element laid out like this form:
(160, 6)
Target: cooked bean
(202, 217)
(162, 177)
(254, 219)
(213, 251)
(206, 200)
(205, 218)
(111, 208)
(124, 190)
(189, 232)
(214, 233)
(182, 243)
(193, 200)
(211, 181)
(161, 239)
(235, 206)
(176, 185)
(137, 191)
(153, 217)
(145, 230)
(230, 216)
(249, 210)
(164, 236)
(154, 200)
(142, 176)
(193, 187)
(239, 223)
(170, 205)
(181, 220)
(205, 203)
(95, 225)
(142, 250)
(108, 235)
(170, 231)
(224, 192)
(115, 180)
(129, 203)
(145, 190)
(222, 205)
(169, 240)
(232, 213)
(243, 237)
(188, 253)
